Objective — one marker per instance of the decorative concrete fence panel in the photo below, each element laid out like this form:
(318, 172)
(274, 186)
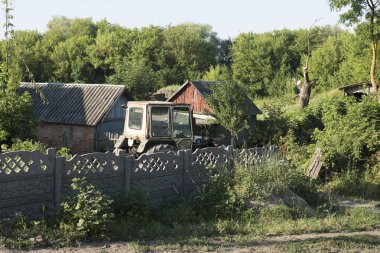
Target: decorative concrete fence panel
(201, 161)
(26, 182)
(254, 156)
(30, 181)
(103, 170)
(159, 175)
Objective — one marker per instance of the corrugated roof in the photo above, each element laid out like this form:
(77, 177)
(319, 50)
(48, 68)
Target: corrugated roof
(78, 104)
(205, 89)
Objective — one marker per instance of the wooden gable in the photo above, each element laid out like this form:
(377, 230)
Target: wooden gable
(188, 94)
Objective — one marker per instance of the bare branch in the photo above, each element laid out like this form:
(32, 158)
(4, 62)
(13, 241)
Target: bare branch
(309, 42)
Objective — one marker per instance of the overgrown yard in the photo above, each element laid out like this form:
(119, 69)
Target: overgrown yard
(270, 207)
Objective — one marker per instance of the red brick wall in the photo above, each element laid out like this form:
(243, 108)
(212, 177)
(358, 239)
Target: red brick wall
(80, 139)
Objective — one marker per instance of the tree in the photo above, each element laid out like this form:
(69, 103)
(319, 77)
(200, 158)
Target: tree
(306, 86)
(16, 113)
(189, 49)
(71, 61)
(327, 59)
(216, 73)
(110, 48)
(224, 52)
(265, 63)
(355, 12)
(229, 106)
(137, 76)
(251, 62)
(357, 58)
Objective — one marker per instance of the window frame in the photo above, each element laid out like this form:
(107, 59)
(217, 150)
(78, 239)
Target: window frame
(129, 117)
(188, 111)
(169, 121)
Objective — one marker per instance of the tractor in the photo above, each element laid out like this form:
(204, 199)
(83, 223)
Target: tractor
(155, 126)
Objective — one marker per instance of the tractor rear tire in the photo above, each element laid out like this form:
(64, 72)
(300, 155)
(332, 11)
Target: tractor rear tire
(165, 148)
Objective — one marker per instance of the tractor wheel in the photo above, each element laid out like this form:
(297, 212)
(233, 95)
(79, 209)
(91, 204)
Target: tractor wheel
(165, 148)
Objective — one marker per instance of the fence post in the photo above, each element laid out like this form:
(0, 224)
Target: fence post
(186, 154)
(59, 164)
(128, 166)
(230, 157)
(120, 156)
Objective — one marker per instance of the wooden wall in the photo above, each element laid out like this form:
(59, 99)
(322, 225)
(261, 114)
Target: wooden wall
(190, 95)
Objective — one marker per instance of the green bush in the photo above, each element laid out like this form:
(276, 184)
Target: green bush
(351, 132)
(229, 194)
(274, 178)
(216, 198)
(271, 128)
(17, 119)
(65, 152)
(88, 211)
(28, 145)
(356, 183)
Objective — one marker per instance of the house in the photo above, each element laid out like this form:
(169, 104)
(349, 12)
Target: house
(195, 94)
(82, 117)
(357, 90)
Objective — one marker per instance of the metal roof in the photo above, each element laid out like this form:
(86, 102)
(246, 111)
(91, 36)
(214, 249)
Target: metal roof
(356, 85)
(78, 104)
(150, 102)
(205, 89)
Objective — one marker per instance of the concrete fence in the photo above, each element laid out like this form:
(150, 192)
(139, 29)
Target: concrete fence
(32, 181)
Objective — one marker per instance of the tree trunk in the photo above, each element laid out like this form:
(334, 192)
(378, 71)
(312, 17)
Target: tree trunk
(373, 65)
(304, 95)
(232, 139)
(305, 88)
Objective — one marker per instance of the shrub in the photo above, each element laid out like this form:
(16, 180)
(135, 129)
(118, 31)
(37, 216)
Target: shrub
(273, 178)
(270, 129)
(216, 198)
(351, 132)
(65, 152)
(356, 183)
(88, 211)
(28, 145)
(17, 119)
(229, 194)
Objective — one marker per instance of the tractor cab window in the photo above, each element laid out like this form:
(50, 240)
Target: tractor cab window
(181, 122)
(135, 118)
(160, 124)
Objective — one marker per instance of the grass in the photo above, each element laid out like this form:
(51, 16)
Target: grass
(356, 184)
(359, 243)
(210, 235)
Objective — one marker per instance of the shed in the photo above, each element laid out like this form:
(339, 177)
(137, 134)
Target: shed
(82, 117)
(357, 90)
(195, 94)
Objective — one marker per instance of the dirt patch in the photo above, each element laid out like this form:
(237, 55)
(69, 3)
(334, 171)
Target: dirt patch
(352, 202)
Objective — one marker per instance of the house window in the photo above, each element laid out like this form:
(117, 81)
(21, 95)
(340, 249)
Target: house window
(135, 118)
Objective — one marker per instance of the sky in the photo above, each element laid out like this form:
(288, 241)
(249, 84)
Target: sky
(228, 18)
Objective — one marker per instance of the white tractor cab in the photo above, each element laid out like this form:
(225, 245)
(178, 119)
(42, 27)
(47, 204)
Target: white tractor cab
(155, 126)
